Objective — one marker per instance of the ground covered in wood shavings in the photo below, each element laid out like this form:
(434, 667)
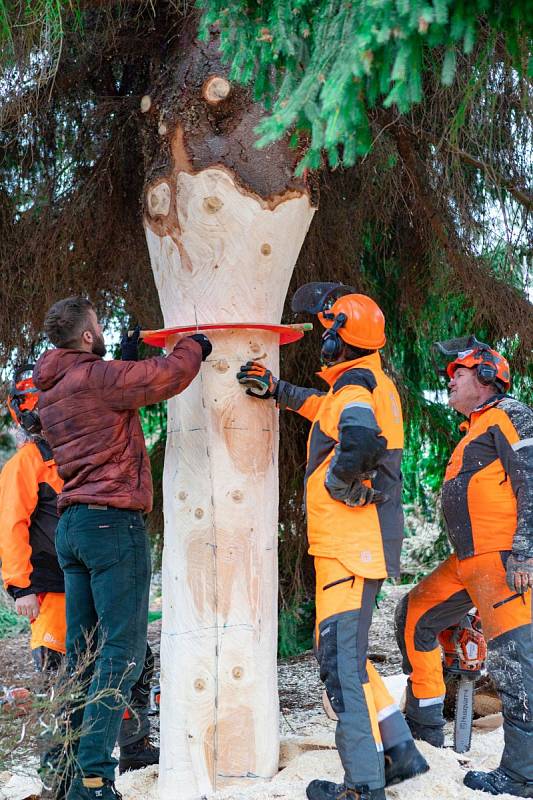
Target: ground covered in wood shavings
(308, 748)
(308, 745)
(444, 781)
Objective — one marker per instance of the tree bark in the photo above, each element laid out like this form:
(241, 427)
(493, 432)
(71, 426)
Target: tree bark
(224, 225)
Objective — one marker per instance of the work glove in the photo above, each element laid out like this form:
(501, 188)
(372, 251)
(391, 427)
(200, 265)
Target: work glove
(129, 345)
(355, 493)
(204, 343)
(519, 573)
(258, 380)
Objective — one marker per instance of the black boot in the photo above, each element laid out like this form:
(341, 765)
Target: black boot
(498, 782)
(427, 733)
(326, 790)
(98, 789)
(138, 755)
(402, 762)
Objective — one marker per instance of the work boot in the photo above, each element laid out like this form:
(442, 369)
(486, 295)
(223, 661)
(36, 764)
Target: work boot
(138, 755)
(432, 734)
(326, 790)
(402, 762)
(498, 782)
(93, 789)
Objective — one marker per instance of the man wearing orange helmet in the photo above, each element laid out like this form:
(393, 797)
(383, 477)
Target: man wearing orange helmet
(355, 528)
(487, 500)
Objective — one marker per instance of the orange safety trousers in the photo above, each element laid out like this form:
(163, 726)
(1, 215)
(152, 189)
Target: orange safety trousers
(440, 600)
(49, 628)
(368, 719)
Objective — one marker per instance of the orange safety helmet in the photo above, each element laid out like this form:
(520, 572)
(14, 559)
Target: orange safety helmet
(22, 400)
(348, 317)
(365, 323)
(490, 366)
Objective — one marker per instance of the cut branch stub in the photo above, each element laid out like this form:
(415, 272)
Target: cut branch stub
(216, 89)
(159, 200)
(146, 103)
(213, 204)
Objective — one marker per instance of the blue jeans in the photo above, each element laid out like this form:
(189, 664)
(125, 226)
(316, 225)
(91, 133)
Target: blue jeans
(105, 556)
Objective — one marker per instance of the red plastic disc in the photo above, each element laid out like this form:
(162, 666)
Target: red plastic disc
(286, 333)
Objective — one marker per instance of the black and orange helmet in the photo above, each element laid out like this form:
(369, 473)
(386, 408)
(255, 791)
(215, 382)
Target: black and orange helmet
(491, 366)
(365, 322)
(355, 318)
(22, 400)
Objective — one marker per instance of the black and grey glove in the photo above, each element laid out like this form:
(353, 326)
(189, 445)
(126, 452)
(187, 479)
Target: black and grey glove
(129, 345)
(354, 493)
(204, 343)
(519, 573)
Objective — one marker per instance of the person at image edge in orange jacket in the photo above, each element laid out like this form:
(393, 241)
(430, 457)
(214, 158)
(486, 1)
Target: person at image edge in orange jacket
(355, 528)
(487, 502)
(29, 485)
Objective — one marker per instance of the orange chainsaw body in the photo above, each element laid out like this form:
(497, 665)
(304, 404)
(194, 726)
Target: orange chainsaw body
(464, 646)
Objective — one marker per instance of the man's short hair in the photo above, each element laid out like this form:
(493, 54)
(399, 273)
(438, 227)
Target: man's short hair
(66, 320)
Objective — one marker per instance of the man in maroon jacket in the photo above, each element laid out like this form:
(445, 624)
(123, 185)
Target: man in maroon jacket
(88, 409)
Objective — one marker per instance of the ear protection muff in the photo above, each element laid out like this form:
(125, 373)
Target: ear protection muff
(332, 343)
(27, 419)
(487, 372)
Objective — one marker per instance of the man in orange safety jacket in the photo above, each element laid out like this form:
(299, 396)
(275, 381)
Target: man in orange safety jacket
(487, 500)
(355, 528)
(29, 485)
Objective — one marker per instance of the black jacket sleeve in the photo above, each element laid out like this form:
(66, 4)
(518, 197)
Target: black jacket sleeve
(360, 443)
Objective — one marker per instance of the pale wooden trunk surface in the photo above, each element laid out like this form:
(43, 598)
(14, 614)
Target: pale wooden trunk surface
(229, 260)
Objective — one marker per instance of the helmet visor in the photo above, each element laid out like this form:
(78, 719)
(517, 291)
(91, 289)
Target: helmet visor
(317, 296)
(452, 348)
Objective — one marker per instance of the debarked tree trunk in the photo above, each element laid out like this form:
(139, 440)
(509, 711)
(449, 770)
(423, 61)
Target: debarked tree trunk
(224, 225)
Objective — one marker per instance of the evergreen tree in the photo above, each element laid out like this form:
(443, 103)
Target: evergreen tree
(415, 117)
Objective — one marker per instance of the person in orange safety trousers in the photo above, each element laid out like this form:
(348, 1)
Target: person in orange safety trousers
(355, 528)
(487, 502)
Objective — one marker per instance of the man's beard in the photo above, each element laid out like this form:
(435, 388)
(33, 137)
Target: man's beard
(99, 348)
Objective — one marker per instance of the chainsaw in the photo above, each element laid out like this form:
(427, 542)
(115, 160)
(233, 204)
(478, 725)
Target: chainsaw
(464, 654)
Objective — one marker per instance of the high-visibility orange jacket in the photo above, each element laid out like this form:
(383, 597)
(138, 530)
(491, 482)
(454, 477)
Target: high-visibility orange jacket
(29, 485)
(487, 495)
(357, 427)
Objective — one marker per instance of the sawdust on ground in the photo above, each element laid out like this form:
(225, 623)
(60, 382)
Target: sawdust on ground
(444, 781)
(308, 748)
